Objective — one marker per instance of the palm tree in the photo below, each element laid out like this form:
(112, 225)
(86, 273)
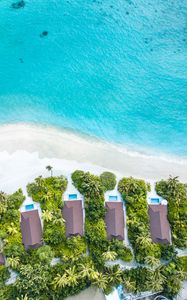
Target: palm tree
(101, 281)
(11, 229)
(13, 262)
(86, 270)
(39, 181)
(172, 184)
(109, 255)
(50, 169)
(115, 274)
(152, 261)
(3, 208)
(47, 215)
(94, 275)
(60, 281)
(130, 286)
(2, 196)
(58, 221)
(24, 298)
(72, 277)
(143, 241)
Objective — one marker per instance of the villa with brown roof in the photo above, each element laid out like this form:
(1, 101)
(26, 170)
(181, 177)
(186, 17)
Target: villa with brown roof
(159, 225)
(2, 259)
(73, 216)
(114, 220)
(31, 229)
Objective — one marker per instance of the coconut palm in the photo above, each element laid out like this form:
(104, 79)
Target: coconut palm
(3, 208)
(2, 196)
(180, 274)
(47, 215)
(13, 262)
(130, 286)
(11, 229)
(60, 281)
(94, 275)
(25, 297)
(58, 221)
(50, 169)
(39, 181)
(109, 255)
(86, 270)
(72, 277)
(101, 281)
(115, 274)
(152, 261)
(143, 241)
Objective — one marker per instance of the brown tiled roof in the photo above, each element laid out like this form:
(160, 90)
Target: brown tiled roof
(73, 216)
(2, 259)
(159, 225)
(31, 229)
(114, 220)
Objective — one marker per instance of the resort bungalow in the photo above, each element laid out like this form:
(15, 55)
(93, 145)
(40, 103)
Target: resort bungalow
(73, 216)
(114, 220)
(31, 229)
(2, 259)
(159, 225)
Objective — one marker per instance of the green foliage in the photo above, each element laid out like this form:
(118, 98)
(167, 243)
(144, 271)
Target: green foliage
(88, 184)
(10, 224)
(134, 192)
(48, 191)
(72, 249)
(183, 264)
(33, 280)
(131, 187)
(4, 275)
(168, 252)
(174, 276)
(108, 181)
(176, 194)
(122, 251)
(95, 209)
(44, 254)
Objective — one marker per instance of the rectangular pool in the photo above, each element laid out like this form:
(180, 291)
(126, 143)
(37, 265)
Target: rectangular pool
(113, 198)
(72, 196)
(29, 206)
(155, 200)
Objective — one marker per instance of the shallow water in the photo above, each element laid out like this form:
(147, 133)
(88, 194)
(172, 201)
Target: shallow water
(112, 69)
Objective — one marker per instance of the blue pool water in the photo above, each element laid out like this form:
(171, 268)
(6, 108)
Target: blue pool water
(29, 206)
(112, 69)
(155, 200)
(72, 196)
(113, 198)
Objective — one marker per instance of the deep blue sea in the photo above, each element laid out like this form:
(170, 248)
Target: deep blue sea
(113, 69)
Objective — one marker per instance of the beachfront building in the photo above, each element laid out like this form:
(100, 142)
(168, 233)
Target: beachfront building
(114, 220)
(159, 225)
(2, 259)
(73, 216)
(31, 229)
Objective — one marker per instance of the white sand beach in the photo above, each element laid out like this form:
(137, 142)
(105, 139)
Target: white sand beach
(25, 150)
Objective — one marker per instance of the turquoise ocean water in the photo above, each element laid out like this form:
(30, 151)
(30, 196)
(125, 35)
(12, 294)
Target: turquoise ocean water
(111, 69)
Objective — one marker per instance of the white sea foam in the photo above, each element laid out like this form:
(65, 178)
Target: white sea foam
(25, 150)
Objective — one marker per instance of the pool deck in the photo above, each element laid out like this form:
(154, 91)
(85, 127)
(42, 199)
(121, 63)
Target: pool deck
(71, 190)
(153, 195)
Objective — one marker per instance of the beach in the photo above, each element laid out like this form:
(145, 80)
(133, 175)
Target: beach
(25, 151)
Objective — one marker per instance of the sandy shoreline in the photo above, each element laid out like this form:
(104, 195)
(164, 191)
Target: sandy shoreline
(25, 150)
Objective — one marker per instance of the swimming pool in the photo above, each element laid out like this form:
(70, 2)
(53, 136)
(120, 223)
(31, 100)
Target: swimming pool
(72, 196)
(29, 206)
(155, 201)
(113, 198)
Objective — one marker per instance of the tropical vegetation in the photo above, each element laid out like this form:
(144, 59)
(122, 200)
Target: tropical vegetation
(62, 266)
